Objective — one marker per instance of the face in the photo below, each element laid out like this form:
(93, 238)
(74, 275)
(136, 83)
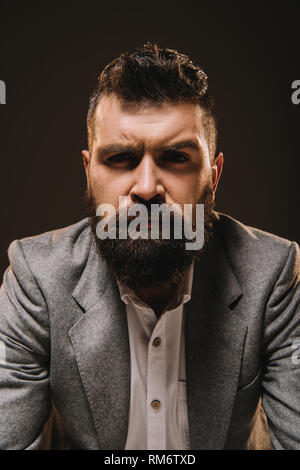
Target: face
(149, 154)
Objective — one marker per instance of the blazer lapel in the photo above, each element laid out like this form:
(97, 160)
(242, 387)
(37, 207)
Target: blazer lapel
(101, 347)
(215, 338)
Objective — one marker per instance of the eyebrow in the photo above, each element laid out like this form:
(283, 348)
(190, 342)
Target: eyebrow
(118, 148)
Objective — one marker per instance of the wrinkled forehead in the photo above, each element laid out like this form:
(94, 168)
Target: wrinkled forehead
(115, 119)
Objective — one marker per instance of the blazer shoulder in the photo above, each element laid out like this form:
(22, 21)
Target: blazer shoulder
(238, 229)
(251, 248)
(50, 251)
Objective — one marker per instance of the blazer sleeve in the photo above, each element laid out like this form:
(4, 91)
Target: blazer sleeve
(24, 356)
(281, 378)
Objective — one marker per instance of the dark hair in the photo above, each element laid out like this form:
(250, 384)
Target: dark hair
(149, 75)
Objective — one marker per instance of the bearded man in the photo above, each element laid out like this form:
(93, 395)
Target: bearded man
(138, 342)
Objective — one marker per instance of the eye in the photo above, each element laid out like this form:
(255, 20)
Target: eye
(174, 156)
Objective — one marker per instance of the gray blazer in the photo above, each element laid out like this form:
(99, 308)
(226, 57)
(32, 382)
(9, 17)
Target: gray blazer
(64, 343)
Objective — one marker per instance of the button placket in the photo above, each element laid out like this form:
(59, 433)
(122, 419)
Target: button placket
(156, 387)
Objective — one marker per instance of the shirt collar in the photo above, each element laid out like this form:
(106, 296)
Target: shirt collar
(182, 295)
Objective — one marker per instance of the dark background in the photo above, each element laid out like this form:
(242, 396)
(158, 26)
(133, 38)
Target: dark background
(51, 55)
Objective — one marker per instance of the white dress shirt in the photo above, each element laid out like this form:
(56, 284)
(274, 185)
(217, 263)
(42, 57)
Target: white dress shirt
(158, 416)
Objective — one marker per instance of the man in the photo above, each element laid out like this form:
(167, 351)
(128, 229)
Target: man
(140, 343)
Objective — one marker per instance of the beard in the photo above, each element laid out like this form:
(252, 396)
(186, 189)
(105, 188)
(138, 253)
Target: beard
(150, 263)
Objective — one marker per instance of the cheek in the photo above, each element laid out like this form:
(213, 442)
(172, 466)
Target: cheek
(107, 188)
(189, 188)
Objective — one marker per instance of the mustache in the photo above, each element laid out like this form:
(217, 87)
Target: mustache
(156, 218)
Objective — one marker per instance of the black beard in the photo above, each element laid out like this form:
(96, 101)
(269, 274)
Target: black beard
(150, 263)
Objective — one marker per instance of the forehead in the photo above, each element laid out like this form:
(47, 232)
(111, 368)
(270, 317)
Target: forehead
(152, 123)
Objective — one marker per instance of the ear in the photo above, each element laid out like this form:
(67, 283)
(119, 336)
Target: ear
(217, 166)
(86, 162)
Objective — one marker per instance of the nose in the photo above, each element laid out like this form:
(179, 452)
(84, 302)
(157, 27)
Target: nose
(147, 184)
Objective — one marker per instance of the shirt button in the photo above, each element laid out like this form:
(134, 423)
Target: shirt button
(156, 342)
(155, 404)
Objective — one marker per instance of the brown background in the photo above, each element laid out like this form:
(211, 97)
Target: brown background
(50, 56)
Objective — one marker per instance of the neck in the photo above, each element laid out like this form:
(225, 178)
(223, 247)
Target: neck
(157, 298)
